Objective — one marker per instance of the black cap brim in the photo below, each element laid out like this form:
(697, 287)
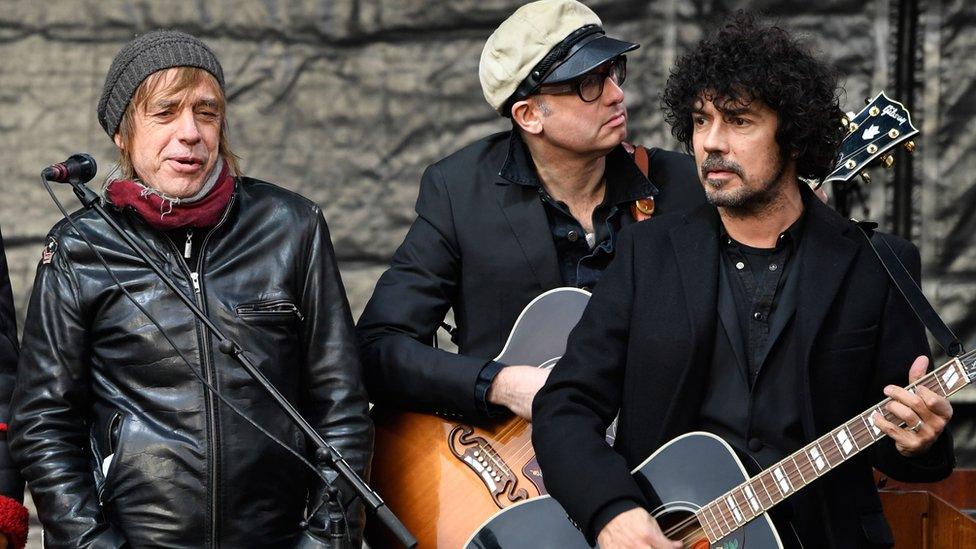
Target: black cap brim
(593, 54)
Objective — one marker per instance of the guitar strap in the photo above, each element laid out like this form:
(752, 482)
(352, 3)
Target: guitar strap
(910, 290)
(642, 208)
(641, 159)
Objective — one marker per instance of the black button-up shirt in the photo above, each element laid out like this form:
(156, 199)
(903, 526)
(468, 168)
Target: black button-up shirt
(757, 278)
(583, 257)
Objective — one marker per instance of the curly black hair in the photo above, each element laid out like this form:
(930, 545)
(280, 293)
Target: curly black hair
(745, 61)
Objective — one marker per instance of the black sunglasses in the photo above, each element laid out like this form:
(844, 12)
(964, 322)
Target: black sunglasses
(589, 87)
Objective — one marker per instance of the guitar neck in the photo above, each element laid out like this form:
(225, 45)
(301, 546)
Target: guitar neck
(760, 493)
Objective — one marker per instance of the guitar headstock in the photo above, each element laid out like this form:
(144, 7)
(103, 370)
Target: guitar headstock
(872, 133)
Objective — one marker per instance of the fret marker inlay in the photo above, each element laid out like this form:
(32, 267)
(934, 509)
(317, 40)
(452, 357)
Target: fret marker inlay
(950, 377)
(873, 426)
(734, 507)
(753, 502)
(781, 481)
(845, 442)
(817, 459)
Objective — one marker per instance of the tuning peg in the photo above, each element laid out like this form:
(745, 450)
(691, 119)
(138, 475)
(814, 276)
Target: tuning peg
(851, 115)
(866, 177)
(910, 146)
(887, 161)
(844, 121)
(867, 100)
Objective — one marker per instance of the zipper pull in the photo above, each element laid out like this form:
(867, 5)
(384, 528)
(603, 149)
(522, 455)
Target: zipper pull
(195, 278)
(188, 247)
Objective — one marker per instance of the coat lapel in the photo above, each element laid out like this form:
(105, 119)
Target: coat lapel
(730, 323)
(696, 252)
(695, 245)
(525, 215)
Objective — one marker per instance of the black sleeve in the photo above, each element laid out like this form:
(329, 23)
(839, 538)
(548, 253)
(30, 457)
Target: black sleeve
(49, 412)
(11, 483)
(408, 304)
(902, 339)
(573, 409)
(335, 404)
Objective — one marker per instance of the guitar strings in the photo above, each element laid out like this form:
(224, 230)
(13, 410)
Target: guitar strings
(858, 430)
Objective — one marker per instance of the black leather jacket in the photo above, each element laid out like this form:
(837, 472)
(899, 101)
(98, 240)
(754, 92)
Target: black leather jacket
(96, 378)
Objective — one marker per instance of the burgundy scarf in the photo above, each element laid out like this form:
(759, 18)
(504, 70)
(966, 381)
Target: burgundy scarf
(166, 214)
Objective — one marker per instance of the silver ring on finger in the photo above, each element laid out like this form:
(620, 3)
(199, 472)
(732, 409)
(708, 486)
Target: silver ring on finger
(915, 427)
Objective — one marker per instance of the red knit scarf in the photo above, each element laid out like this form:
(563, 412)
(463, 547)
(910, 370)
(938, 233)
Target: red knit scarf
(166, 214)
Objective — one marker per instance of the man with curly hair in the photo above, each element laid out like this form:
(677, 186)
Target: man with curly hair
(763, 317)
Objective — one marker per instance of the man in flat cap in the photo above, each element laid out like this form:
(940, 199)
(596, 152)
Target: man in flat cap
(515, 214)
(120, 440)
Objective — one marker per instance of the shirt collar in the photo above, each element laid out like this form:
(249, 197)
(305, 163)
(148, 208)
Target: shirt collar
(625, 182)
(790, 237)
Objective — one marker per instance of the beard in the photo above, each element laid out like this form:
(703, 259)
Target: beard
(748, 198)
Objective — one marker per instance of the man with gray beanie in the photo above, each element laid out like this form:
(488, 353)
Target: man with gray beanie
(121, 442)
(515, 214)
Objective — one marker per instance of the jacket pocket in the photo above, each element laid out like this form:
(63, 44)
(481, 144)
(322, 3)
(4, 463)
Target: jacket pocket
(276, 311)
(119, 428)
(848, 340)
(107, 460)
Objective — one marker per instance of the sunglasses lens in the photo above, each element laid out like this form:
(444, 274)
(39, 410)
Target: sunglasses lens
(591, 86)
(619, 73)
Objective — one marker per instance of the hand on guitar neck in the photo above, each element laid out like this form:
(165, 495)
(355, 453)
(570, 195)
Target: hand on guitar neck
(514, 387)
(925, 413)
(634, 528)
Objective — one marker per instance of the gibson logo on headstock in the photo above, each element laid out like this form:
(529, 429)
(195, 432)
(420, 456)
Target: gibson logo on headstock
(892, 111)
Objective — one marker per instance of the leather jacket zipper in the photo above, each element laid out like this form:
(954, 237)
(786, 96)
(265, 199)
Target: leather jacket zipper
(209, 374)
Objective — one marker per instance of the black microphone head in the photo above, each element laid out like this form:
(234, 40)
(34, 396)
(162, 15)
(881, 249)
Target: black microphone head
(78, 167)
(82, 166)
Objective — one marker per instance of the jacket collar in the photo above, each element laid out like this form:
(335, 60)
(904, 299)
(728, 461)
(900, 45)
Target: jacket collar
(625, 182)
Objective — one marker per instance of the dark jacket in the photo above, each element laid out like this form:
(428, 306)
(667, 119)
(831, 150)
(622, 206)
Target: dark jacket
(644, 347)
(11, 483)
(481, 245)
(98, 379)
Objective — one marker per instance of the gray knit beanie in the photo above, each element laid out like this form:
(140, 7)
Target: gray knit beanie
(144, 55)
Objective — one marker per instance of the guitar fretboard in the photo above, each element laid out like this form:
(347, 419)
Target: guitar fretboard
(757, 495)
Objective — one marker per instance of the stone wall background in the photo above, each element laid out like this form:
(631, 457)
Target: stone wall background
(346, 101)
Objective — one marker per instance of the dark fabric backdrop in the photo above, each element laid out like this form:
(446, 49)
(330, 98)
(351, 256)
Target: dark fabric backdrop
(346, 101)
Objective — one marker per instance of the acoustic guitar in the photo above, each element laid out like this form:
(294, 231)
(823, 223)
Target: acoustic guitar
(443, 478)
(702, 494)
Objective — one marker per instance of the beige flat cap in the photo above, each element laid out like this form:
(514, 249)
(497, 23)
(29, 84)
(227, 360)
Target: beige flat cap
(547, 41)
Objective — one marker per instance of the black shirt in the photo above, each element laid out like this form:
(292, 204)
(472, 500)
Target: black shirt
(758, 277)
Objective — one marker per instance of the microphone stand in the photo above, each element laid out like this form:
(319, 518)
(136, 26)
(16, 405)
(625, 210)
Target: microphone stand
(325, 452)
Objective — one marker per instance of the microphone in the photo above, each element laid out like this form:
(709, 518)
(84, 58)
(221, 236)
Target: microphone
(78, 167)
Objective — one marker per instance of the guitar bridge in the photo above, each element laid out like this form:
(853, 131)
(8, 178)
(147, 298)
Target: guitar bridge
(478, 454)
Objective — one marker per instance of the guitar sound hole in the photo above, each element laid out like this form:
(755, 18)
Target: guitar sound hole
(683, 526)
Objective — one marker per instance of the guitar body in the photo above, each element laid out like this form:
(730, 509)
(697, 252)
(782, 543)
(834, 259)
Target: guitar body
(681, 477)
(443, 478)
